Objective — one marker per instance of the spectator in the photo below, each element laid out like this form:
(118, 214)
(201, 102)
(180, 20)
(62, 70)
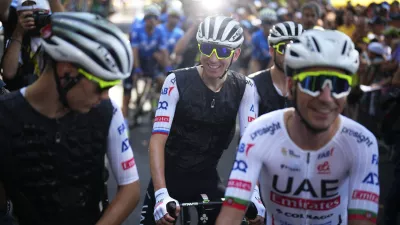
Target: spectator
(310, 13)
(378, 25)
(348, 26)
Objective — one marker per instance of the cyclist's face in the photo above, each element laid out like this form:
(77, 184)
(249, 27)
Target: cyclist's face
(214, 67)
(151, 20)
(85, 95)
(309, 18)
(279, 58)
(321, 111)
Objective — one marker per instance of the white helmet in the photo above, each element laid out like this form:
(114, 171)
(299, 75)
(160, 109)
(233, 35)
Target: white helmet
(317, 48)
(90, 41)
(267, 14)
(152, 9)
(284, 31)
(174, 11)
(220, 30)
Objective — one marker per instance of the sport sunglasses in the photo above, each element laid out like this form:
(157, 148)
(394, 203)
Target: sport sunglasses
(280, 47)
(102, 84)
(313, 82)
(220, 51)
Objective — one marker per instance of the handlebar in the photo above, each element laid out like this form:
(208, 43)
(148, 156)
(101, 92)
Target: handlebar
(251, 212)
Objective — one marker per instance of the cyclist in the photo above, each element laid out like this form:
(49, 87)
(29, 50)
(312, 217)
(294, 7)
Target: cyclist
(310, 14)
(315, 165)
(260, 57)
(55, 133)
(195, 122)
(149, 46)
(271, 83)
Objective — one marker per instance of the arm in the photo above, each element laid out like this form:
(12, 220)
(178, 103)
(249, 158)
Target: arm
(364, 184)
(241, 181)
(4, 7)
(181, 45)
(162, 125)
(135, 41)
(247, 112)
(56, 6)
(123, 166)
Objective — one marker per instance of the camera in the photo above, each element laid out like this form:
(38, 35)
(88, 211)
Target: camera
(41, 19)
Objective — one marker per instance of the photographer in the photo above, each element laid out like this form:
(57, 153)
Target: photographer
(22, 29)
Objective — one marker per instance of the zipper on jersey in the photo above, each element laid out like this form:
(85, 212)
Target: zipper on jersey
(213, 103)
(308, 158)
(306, 220)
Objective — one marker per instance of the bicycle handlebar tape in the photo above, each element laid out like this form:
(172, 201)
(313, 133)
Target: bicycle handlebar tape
(251, 212)
(171, 209)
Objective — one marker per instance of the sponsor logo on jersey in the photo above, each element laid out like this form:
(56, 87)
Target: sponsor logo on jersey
(115, 110)
(305, 204)
(241, 184)
(165, 91)
(163, 105)
(283, 166)
(240, 165)
(173, 80)
(249, 119)
(291, 153)
(304, 216)
(252, 108)
(282, 222)
(327, 188)
(125, 145)
(371, 178)
(249, 82)
(375, 159)
(323, 168)
(245, 148)
(326, 154)
(164, 119)
(128, 164)
(365, 195)
(121, 128)
(358, 135)
(270, 129)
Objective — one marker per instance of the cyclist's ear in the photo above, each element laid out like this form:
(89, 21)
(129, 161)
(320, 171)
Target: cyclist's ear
(236, 54)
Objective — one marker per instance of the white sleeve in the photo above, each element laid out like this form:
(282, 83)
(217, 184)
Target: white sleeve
(364, 179)
(245, 171)
(119, 151)
(247, 108)
(166, 106)
(257, 100)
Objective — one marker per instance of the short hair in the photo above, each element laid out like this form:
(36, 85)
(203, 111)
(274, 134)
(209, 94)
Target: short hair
(313, 6)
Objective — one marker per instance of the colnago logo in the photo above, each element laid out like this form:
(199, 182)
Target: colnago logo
(306, 204)
(265, 130)
(164, 119)
(241, 184)
(359, 136)
(304, 216)
(365, 195)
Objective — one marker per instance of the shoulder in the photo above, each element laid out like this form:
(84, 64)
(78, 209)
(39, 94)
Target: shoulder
(356, 134)
(179, 31)
(259, 74)
(267, 125)
(104, 111)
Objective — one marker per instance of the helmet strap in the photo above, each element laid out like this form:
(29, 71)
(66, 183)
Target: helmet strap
(226, 71)
(69, 83)
(302, 119)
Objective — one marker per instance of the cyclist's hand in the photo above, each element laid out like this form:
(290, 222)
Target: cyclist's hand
(161, 215)
(259, 220)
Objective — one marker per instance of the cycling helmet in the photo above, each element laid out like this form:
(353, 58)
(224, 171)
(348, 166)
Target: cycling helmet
(220, 30)
(90, 41)
(316, 48)
(284, 31)
(152, 9)
(267, 14)
(174, 12)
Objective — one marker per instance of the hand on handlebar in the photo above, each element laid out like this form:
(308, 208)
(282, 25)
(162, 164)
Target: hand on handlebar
(161, 215)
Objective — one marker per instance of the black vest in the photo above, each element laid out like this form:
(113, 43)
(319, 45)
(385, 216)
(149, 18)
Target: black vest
(53, 170)
(204, 121)
(270, 100)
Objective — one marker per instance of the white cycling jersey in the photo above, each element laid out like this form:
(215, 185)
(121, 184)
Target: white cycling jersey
(170, 96)
(119, 151)
(337, 183)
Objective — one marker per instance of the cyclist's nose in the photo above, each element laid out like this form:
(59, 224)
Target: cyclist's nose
(326, 94)
(213, 57)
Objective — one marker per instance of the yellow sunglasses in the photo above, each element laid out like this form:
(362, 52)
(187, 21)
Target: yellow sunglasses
(102, 83)
(312, 82)
(219, 51)
(280, 47)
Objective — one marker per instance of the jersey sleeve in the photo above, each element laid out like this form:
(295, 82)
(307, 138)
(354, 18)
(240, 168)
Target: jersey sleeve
(364, 181)
(247, 112)
(245, 172)
(135, 40)
(119, 151)
(166, 106)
